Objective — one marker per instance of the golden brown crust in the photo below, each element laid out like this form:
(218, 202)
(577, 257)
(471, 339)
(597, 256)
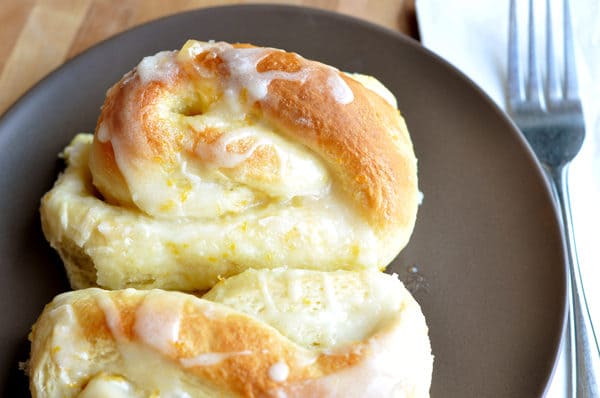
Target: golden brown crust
(355, 139)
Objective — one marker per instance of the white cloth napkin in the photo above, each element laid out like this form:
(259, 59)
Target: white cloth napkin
(473, 36)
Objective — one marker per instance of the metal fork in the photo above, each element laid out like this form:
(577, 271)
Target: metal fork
(552, 122)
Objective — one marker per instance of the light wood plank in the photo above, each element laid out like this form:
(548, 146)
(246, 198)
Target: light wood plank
(41, 46)
(13, 16)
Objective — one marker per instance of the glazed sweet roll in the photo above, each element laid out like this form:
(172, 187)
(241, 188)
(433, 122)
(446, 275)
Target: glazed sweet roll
(266, 333)
(218, 157)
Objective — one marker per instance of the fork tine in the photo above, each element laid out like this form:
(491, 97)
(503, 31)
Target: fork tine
(571, 89)
(553, 89)
(514, 67)
(533, 74)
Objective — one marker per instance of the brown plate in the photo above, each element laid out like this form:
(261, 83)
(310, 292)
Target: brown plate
(486, 247)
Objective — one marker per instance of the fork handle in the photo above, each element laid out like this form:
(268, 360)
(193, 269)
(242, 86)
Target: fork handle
(585, 348)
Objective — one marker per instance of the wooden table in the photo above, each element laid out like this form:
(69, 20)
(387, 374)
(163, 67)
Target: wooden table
(37, 36)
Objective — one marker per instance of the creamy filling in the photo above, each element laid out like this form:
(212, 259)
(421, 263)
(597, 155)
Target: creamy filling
(279, 371)
(242, 63)
(159, 67)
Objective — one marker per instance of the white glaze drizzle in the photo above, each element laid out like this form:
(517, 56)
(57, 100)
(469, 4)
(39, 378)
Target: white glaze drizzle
(106, 386)
(376, 86)
(306, 358)
(162, 66)
(211, 358)
(191, 175)
(105, 228)
(86, 226)
(159, 67)
(218, 153)
(339, 89)
(268, 299)
(111, 315)
(294, 285)
(64, 215)
(138, 356)
(158, 320)
(279, 371)
(280, 393)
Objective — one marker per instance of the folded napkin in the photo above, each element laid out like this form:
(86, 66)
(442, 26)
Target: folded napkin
(473, 36)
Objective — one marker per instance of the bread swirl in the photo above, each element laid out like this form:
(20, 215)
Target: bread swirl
(220, 157)
(248, 337)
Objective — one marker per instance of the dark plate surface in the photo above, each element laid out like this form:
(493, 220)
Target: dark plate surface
(487, 245)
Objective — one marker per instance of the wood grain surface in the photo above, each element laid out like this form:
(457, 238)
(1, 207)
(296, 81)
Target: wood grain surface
(37, 36)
